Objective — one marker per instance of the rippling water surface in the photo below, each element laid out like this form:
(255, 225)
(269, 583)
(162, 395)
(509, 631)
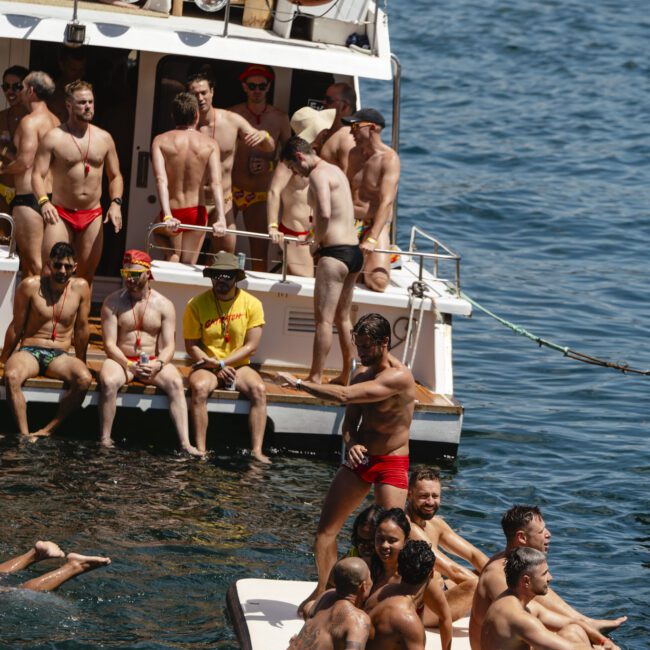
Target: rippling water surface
(525, 145)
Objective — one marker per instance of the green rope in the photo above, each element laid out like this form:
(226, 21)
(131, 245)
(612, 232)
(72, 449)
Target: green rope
(565, 350)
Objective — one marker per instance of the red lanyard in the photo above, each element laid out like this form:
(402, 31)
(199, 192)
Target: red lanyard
(84, 159)
(138, 328)
(55, 318)
(224, 318)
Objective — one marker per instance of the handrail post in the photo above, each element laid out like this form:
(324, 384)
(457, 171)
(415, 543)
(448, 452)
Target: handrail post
(226, 20)
(397, 89)
(284, 260)
(12, 236)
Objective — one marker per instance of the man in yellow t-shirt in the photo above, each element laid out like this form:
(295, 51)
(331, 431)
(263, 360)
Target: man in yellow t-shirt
(222, 328)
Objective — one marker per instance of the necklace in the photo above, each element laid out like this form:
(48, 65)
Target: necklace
(138, 327)
(257, 116)
(224, 317)
(84, 159)
(56, 319)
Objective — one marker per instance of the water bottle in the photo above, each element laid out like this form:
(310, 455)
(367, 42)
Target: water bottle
(232, 385)
(144, 358)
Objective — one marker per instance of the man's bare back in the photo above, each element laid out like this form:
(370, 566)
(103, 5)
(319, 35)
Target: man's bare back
(187, 155)
(396, 624)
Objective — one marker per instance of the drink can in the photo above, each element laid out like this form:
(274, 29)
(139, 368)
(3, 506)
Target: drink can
(144, 358)
(241, 260)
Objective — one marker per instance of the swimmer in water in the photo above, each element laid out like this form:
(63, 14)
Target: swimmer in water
(74, 565)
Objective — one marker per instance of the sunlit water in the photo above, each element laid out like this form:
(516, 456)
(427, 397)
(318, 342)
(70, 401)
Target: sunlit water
(525, 144)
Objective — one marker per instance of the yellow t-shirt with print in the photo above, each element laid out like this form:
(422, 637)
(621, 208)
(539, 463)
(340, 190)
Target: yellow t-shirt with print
(203, 321)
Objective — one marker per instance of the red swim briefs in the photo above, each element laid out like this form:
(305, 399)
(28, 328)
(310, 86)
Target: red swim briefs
(389, 470)
(194, 216)
(292, 233)
(79, 219)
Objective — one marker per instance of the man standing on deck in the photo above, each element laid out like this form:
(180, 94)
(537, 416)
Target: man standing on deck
(379, 410)
(422, 505)
(338, 141)
(48, 310)
(183, 161)
(253, 167)
(37, 88)
(516, 621)
(222, 328)
(338, 622)
(523, 526)
(227, 129)
(75, 154)
(339, 258)
(138, 328)
(373, 172)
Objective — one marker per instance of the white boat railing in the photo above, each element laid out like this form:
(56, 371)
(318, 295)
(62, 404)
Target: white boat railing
(12, 235)
(435, 257)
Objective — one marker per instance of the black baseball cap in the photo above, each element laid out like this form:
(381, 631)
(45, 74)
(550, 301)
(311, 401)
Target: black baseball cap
(365, 115)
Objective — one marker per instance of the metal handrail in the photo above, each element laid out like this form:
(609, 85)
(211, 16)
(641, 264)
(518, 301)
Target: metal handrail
(12, 236)
(437, 244)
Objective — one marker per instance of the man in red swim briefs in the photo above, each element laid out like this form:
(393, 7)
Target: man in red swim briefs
(75, 155)
(379, 409)
(183, 161)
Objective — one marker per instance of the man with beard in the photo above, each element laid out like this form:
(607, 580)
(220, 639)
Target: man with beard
(379, 409)
(253, 166)
(75, 154)
(338, 622)
(373, 172)
(338, 141)
(394, 608)
(139, 341)
(227, 129)
(31, 131)
(183, 160)
(48, 311)
(222, 328)
(516, 621)
(422, 506)
(339, 257)
(524, 526)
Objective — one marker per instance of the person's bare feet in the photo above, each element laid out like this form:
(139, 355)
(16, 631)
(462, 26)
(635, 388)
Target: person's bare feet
(45, 550)
(262, 458)
(193, 451)
(107, 442)
(87, 562)
(604, 625)
(316, 379)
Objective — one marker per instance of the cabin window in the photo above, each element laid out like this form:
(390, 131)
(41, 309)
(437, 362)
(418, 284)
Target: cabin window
(308, 87)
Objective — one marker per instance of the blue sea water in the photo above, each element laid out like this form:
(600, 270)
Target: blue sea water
(525, 146)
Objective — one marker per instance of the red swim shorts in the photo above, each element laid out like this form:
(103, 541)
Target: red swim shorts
(292, 233)
(194, 216)
(79, 219)
(389, 470)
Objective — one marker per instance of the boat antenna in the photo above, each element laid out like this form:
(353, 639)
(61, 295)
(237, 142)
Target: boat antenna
(75, 32)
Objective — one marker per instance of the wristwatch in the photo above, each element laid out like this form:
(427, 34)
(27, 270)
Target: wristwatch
(117, 200)
(222, 365)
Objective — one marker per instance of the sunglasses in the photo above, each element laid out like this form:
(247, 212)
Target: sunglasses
(60, 266)
(262, 86)
(355, 126)
(330, 100)
(228, 276)
(17, 86)
(128, 273)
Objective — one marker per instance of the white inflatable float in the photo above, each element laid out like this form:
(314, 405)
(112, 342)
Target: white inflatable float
(264, 615)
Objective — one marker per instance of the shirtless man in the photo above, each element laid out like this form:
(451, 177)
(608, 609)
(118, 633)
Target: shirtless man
(12, 85)
(253, 167)
(373, 171)
(394, 608)
(287, 209)
(228, 129)
(138, 323)
(48, 311)
(37, 87)
(337, 622)
(73, 566)
(422, 506)
(379, 409)
(338, 140)
(515, 621)
(523, 526)
(183, 161)
(75, 154)
(339, 258)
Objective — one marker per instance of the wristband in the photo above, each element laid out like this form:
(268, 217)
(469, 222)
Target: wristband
(167, 217)
(42, 200)
(371, 240)
(271, 165)
(162, 364)
(273, 225)
(267, 135)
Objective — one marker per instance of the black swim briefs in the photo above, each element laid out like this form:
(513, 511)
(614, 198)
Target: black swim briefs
(350, 255)
(27, 200)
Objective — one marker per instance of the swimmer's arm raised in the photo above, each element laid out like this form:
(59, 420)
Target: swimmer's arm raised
(81, 329)
(160, 173)
(22, 303)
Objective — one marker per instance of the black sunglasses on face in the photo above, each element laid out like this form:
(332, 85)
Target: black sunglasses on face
(58, 266)
(224, 275)
(17, 86)
(251, 86)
